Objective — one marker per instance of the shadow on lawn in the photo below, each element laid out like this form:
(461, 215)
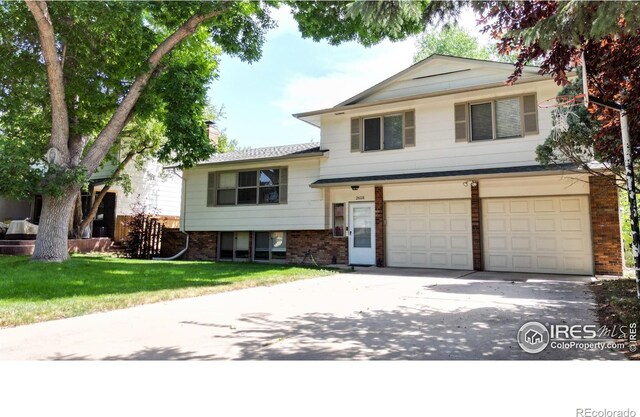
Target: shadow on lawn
(99, 275)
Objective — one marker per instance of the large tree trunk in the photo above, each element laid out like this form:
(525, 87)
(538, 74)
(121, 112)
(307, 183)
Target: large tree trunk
(51, 242)
(65, 151)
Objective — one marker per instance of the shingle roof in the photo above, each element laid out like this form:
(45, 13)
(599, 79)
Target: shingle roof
(439, 174)
(299, 149)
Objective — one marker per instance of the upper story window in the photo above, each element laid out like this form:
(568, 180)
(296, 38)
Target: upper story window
(383, 132)
(502, 118)
(256, 186)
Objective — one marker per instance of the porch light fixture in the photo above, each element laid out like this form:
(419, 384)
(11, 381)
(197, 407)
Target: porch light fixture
(355, 187)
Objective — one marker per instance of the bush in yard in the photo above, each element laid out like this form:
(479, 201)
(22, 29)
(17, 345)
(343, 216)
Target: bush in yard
(144, 232)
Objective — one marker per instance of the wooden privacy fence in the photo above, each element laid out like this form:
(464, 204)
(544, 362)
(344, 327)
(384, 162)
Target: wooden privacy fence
(122, 229)
(148, 241)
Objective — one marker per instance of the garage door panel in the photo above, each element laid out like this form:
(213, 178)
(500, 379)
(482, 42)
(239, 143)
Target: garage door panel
(496, 206)
(459, 207)
(544, 225)
(543, 206)
(554, 236)
(497, 225)
(571, 225)
(437, 225)
(418, 242)
(522, 262)
(459, 225)
(519, 207)
(417, 225)
(460, 260)
(522, 243)
(445, 242)
(520, 225)
(570, 205)
(417, 209)
(438, 260)
(547, 244)
(460, 243)
(437, 242)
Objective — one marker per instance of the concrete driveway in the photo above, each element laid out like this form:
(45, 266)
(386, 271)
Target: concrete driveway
(370, 314)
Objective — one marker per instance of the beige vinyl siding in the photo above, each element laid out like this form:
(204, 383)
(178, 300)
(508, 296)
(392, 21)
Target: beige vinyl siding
(435, 148)
(427, 80)
(158, 189)
(305, 208)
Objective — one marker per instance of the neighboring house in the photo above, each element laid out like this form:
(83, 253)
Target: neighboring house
(156, 188)
(152, 185)
(432, 168)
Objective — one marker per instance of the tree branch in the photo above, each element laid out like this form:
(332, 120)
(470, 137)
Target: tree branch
(108, 135)
(59, 113)
(105, 189)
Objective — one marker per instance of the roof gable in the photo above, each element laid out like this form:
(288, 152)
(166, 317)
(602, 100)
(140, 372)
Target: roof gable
(438, 73)
(433, 76)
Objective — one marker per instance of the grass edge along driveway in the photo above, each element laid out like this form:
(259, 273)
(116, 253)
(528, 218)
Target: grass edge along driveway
(32, 292)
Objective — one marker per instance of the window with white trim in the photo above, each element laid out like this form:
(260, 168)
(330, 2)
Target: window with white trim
(246, 187)
(502, 118)
(383, 132)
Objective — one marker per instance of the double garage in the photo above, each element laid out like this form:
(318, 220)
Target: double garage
(546, 231)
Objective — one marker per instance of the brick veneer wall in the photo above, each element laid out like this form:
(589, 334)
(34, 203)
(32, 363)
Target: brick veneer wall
(173, 241)
(605, 226)
(323, 245)
(379, 208)
(202, 246)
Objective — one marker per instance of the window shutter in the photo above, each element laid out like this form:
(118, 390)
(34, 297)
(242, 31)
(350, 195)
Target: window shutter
(410, 128)
(356, 135)
(530, 114)
(461, 122)
(284, 184)
(211, 189)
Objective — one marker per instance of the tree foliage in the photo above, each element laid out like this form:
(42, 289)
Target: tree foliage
(450, 40)
(102, 48)
(557, 34)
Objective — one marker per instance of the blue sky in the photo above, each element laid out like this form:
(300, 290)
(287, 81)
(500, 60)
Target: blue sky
(296, 75)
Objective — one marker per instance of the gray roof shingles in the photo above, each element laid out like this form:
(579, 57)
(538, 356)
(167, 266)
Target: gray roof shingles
(299, 149)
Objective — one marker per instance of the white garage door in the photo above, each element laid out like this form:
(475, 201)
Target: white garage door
(541, 234)
(429, 234)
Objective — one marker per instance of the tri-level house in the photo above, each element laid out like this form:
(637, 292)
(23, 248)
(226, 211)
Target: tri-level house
(432, 168)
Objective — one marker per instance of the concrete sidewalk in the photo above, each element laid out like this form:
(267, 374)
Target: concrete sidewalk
(369, 314)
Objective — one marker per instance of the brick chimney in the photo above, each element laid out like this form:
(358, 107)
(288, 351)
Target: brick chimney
(213, 132)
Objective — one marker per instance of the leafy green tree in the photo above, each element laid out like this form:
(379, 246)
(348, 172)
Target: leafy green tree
(75, 74)
(451, 40)
(80, 72)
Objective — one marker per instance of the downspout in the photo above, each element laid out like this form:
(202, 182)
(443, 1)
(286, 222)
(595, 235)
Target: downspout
(183, 222)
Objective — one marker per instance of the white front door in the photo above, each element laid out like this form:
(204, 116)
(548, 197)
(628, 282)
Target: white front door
(362, 234)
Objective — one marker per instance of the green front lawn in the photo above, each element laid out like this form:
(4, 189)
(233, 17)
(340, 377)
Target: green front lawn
(35, 291)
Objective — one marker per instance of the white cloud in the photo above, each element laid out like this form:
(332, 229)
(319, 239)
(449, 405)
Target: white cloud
(286, 22)
(346, 78)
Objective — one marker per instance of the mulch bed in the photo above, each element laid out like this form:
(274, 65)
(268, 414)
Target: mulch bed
(618, 306)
